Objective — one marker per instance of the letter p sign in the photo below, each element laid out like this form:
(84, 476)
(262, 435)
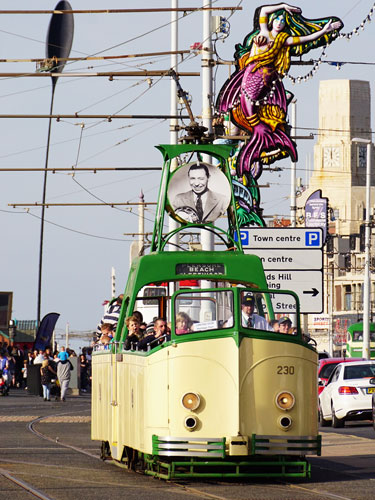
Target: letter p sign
(312, 238)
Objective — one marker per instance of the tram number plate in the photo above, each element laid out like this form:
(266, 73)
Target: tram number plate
(285, 370)
(200, 269)
(370, 390)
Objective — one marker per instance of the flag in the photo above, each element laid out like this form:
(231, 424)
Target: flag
(44, 334)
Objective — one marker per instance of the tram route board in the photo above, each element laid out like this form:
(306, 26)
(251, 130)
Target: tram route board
(292, 259)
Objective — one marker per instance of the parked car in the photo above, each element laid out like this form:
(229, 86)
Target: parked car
(326, 367)
(348, 394)
(373, 411)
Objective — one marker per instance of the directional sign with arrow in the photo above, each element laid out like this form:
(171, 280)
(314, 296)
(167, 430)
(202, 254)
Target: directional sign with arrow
(308, 285)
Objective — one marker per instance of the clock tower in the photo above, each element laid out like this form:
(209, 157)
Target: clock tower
(339, 164)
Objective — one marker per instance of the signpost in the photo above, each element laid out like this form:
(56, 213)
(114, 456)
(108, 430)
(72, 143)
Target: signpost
(292, 260)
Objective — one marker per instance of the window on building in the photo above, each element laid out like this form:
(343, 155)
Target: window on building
(348, 299)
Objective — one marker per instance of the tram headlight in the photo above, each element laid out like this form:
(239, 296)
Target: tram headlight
(191, 401)
(191, 422)
(285, 400)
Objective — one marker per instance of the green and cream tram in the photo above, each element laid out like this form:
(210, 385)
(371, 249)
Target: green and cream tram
(222, 398)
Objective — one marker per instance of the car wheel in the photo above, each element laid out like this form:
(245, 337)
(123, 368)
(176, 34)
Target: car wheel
(337, 423)
(322, 421)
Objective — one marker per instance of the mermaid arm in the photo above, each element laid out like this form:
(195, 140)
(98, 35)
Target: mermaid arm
(327, 28)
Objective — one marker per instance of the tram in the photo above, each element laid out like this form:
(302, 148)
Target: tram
(223, 398)
(354, 344)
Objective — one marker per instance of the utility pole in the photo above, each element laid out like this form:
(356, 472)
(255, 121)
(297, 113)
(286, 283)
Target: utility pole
(293, 168)
(367, 275)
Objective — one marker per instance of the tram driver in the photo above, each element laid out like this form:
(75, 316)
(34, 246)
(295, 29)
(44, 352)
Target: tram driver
(250, 319)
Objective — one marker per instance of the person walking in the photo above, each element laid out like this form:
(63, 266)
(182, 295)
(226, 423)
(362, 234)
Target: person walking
(63, 374)
(46, 372)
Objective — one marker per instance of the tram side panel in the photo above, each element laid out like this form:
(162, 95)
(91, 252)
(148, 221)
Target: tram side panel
(142, 400)
(101, 409)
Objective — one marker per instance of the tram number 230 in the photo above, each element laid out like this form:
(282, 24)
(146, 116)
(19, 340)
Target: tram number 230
(285, 370)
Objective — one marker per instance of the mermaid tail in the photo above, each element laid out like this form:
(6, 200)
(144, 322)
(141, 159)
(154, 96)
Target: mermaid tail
(264, 147)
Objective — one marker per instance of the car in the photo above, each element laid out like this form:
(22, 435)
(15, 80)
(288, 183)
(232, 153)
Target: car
(348, 394)
(373, 411)
(326, 367)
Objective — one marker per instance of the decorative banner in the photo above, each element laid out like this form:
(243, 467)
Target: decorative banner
(316, 212)
(198, 193)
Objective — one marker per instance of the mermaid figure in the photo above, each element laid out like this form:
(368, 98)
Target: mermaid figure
(255, 96)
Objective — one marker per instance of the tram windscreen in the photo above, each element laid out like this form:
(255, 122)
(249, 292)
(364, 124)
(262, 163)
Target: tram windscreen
(203, 311)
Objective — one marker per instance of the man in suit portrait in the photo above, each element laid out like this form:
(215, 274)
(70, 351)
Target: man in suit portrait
(200, 204)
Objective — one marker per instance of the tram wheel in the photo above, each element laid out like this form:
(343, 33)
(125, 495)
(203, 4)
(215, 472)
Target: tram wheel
(337, 423)
(322, 421)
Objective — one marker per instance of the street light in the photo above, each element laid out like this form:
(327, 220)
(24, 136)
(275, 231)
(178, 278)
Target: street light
(366, 278)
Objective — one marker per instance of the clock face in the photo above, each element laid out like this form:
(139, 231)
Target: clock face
(331, 157)
(362, 156)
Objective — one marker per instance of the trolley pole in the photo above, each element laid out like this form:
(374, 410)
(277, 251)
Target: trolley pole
(173, 124)
(207, 239)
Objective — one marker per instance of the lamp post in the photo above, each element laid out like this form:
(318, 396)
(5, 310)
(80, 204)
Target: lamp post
(367, 277)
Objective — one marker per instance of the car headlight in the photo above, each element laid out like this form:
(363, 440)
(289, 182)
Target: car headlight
(285, 400)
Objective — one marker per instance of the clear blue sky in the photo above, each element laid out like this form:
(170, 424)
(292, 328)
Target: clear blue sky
(81, 243)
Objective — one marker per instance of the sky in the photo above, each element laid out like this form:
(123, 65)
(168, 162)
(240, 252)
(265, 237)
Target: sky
(82, 244)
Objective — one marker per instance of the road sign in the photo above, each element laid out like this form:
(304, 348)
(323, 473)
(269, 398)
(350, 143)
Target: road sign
(308, 285)
(291, 237)
(292, 259)
(284, 259)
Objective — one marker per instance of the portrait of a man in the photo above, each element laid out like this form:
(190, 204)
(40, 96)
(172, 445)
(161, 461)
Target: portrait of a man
(200, 203)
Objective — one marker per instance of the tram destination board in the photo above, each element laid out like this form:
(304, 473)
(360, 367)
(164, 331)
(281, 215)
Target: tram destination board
(212, 269)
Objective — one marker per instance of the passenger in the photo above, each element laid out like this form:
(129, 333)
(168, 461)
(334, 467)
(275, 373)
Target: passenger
(285, 325)
(248, 318)
(157, 337)
(274, 324)
(104, 342)
(183, 323)
(143, 324)
(134, 333)
(111, 315)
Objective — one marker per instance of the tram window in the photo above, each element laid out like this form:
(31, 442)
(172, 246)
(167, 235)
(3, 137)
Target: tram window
(153, 292)
(203, 311)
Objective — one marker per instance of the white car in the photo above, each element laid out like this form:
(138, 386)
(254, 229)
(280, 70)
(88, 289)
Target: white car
(348, 393)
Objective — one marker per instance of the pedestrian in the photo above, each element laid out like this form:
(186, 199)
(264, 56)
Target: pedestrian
(46, 373)
(83, 372)
(63, 374)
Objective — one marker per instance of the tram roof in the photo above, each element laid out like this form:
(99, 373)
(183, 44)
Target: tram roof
(215, 266)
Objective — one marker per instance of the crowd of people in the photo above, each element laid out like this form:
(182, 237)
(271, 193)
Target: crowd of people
(55, 369)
